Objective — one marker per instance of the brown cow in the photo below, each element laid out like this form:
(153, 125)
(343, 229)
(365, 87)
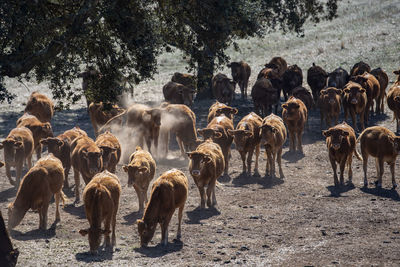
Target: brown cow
(359, 68)
(168, 193)
(372, 88)
(218, 130)
(86, 159)
(355, 101)
(338, 78)
(383, 80)
(179, 120)
(291, 78)
(186, 79)
(382, 144)
(39, 130)
(329, 104)
(101, 199)
(40, 106)
(295, 115)
(273, 136)
(101, 112)
(18, 147)
(277, 63)
(304, 95)
(316, 79)
(341, 143)
(223, 88)
(141, 170)
(240, 74)
(206, 165)
(218, 108)
(176, 93)
(247, 138)
(111, 150)
(397, 72)
(393, 101)
(264, 95)
(38, 186)
(8, 255)
(2, 164)
(60, 147)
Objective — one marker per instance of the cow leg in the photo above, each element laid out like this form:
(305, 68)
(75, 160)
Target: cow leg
(202, 197)
(350, 171)
(181, 146)
(381, 170)
(43, 213)
(365, 165)
(180, 214)
(164, 229)
(210, 189)
(249, 159)
(66, 172)
(256, 163)
(18, 170)
(270, 163)
(38, 151)
(279, 159)
(397, 123)
(140, 197)
(29, 161)
(394, 184)
(299, 143)
(226, 159)
(8, 173)
(57, 196)
(243, 156)
(362, 115)
(107, 223)
(113, 223)
(148, 143)
(342, 166)
(334, 168)
(292, 147)
(353, 118)
(77, 184)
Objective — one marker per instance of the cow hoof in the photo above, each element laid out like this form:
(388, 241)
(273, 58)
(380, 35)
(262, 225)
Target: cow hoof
(394, 186)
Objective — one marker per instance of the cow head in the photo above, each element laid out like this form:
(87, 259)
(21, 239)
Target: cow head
(198, 160)
(208, 133)
(155, 116)
(236, 70)
(269, 73)
(267, 133)
(336, 135)
(229, 112)
(54, 145)
(146, 231)
(94, 236)
(11, 146)
(135, 172)
(240, 137)
(15, 216)
(291, 109)
(353, 92)
(361, 80)
(43, 130)
(186, 94)
(396, 143)
(397, 72)
(93, 160)
(397, 99)
(329, 95)
(338, 78)
(106, 152)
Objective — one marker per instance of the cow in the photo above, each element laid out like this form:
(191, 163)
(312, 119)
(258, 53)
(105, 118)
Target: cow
(206, 165)
(341, 144)
(141, 170)
(372, 88)
(316, 79)
(8, 255)
(383, 80)
(101, 112)
(218, 130)
(384, 145)
(179, 120)
(338, 78)
(329, 104)
(2, 164)
(355, 101)
(60, 147)
(273, 135)
(186, 79)
(218, 108)
(397, 73)
(18, 147)
(247, 139)
(168, 193)
(86, 159)
(39, 130)
(277, 63)
(295, 115)
(304, 95)
(101, 200)
(393, 101)
(264, 96)
(241, 72)
(291, 78)
(223, 88)
(40, 106)
(176, 93)
(43, 180)
(111, 150)
(359, 68)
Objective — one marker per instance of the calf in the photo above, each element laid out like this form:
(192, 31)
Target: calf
(355, 101)
(110, 149)
(291, 78)
(38, 186)
(39, 130)
(101, 112)
(247, 138)
(294, 115)
(86, 159)
(329, 104)
(176, 93)
(218, 108)
(8, 255)
(186, 79)
(372, 88)
(218, 130)
(223, 88)
(141, 169)
(393, 101)
(341, 143)
(338, 78)
(304, 95)
(206, 165)
(382, 144)
(40, 106)
(101, 200)
(359, 68)
(264, 95)
(273, 136)
(168, 193)
(316, 79)
(240, 73)
(18, 147)
(383, 80)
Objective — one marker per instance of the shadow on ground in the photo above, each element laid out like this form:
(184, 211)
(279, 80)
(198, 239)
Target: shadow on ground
(198, 214)
(159, 250)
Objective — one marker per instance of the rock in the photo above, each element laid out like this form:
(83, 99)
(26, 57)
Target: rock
(244, 248)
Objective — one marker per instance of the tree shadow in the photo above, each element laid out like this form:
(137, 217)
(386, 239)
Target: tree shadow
(103, 254)
(336, 191)
(159, 250)
(75, 211)
(35, 234)
(131, 218)
(195, 216)
(382, 192)
(293, 157)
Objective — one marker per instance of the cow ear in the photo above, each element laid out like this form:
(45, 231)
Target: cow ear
(326, 133)
(231, 132)
(323, 92)
(206, 158)
(235, 111)
(397, 99)
(284, 106)
(217, 135)
(85, 154)
(84, 232)
(346, 90)
(362, 90)
(143, 169)
(60, 142)
(189, 154)
(200, 132)
(338, 91)
(18, 144)
(345, 133)
(248, 134)
(125, 168)
(44, 142)
(1, 164)
(274, 130)
(397, 72)
(47, 125)
(105, 232)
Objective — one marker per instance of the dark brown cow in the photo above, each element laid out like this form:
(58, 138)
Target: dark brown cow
(341, 143)
(292, 78)
(384, 145)
(218, 108)
(168, 193)
(40, 106)
(176, 93)
(359, 68)
(393, 101)
(101, 112)
(372, 88)
(295, 115)
(329, 104)
(355, 101)
(264, 95)
(316, 79)
(304, 95)
(338, 78)
(247, 139)
(186, 79)
(240, 74)
(111, 150)
(383, 80)
(8, 255)
(223, 88)
(277, 63)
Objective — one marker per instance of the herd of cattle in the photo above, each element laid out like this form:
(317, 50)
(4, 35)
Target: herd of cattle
(96, 160)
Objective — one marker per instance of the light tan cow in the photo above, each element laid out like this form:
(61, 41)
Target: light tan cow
(40, 106)
(111, 150)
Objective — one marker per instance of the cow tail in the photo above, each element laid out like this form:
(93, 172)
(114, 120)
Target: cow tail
(110, 121)
(358, 156)
(64, 198)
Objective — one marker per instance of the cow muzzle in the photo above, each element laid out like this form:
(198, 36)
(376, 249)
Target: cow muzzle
(335, 146)
(195, 172)
(331, 101)
(354, 101)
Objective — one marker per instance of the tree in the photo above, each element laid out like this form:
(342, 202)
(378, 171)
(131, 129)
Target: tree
(203, 29)
(56, 40)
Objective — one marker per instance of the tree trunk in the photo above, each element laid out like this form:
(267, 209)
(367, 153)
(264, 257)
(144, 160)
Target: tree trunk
(205, 70)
